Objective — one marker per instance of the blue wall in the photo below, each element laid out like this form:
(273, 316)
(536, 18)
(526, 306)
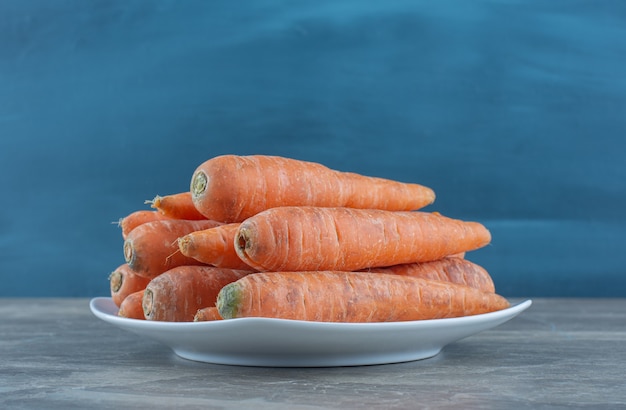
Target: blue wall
(513, 111)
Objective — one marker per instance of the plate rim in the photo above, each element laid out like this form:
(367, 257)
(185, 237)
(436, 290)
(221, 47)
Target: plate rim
(512, 310)
(338, 337)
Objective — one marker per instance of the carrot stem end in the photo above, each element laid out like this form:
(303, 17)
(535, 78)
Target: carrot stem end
(116, 279)
(199, 183)
(228, 301)
(128, 252)
(147, 303)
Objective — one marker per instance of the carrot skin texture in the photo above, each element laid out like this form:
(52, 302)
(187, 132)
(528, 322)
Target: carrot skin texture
(151, 248)
(231, 188)
(131, 307)
(450, 269)
(176, 295)
(134, 219)
(176, 206)
(214, 246)
(359, 297)
(207, 314)
(347, 239)
(123, 281)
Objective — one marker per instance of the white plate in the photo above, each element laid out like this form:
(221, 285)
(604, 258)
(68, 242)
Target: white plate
(293, 343)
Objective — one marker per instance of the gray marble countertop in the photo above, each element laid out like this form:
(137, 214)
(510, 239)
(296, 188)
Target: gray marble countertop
(560, 353)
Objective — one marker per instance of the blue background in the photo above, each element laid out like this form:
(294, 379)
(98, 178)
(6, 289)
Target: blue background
(512, 111)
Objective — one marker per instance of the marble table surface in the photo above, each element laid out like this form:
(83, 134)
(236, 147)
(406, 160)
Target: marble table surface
(560, 353)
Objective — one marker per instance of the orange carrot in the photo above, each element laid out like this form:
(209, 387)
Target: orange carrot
(231, 188)
(131, 306)
(351, 297)
(456, 255)
(151, 248)
(176, 295)
(213, 246)
(176, 206)
(313, 238)
(124, 281)
(452, 269)
(134, 219)
(207, 314)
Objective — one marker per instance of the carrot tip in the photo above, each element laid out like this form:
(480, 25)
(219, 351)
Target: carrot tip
(171, 255)
(199, 183)
(154, 203)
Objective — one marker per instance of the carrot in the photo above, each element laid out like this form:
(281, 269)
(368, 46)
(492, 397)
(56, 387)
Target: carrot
(134, 219)
(351, 297)
(452, 269)
(313, 238)
(151, 248)
(124, 281)
(456, 255)
(131, 306)
(213, 246)
(207, 314)
(176, 206)
(231, 188)
(176, 295)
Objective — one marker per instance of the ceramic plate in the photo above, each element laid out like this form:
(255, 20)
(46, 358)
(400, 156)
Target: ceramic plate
(293, 343)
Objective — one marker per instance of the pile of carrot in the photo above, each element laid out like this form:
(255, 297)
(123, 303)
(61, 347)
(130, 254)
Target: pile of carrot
(267, 236)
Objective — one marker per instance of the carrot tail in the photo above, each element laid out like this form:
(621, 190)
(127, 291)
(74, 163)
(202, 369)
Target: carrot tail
(134, 219)
(207, 314)
(176, 206)
(214, 246)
